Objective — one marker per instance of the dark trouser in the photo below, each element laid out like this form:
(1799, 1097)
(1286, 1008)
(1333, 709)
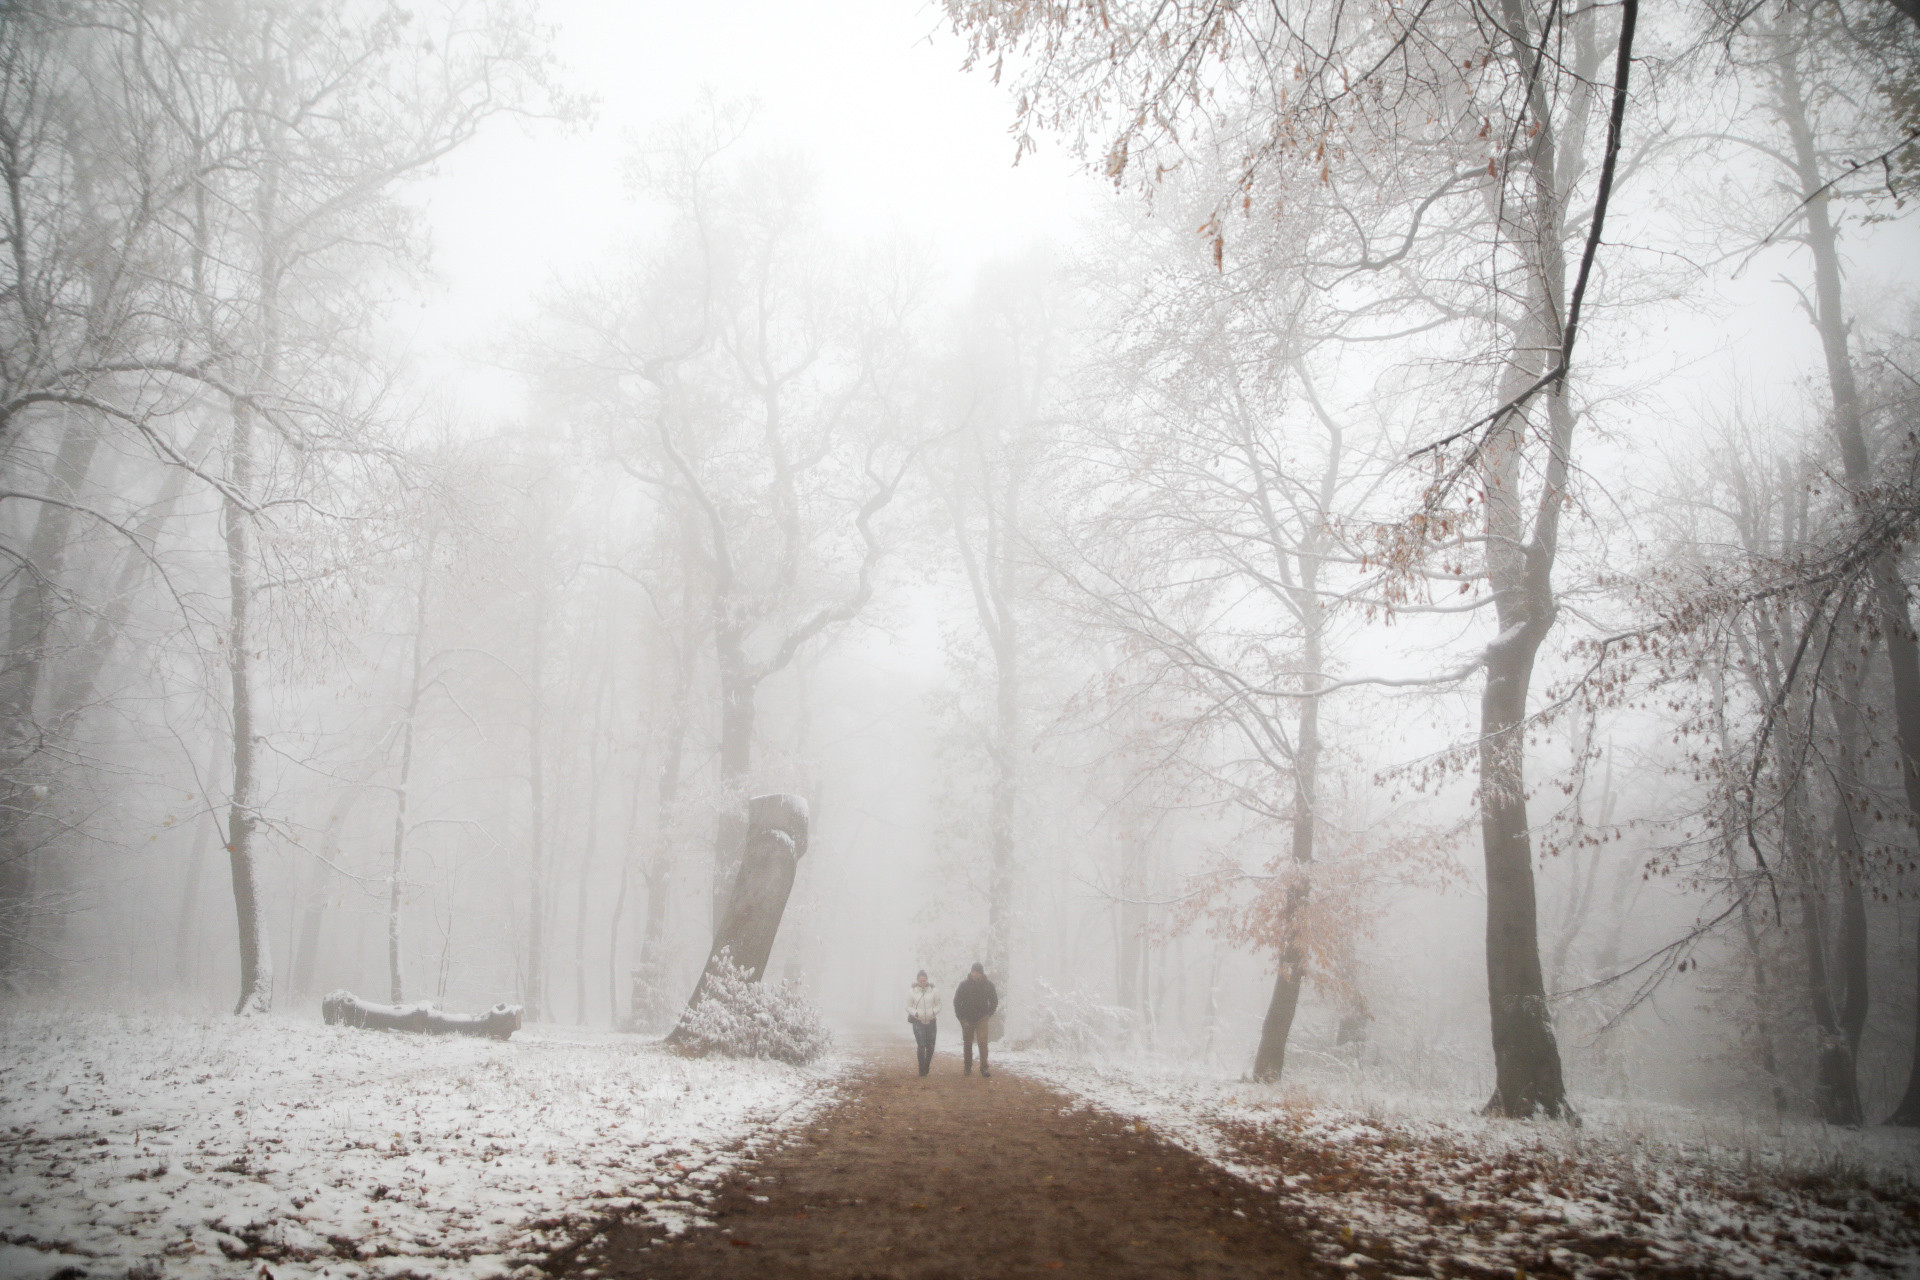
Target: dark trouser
(924, 1034)
(969, 1033)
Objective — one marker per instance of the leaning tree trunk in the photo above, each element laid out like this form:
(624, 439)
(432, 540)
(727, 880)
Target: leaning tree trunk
(776, 841)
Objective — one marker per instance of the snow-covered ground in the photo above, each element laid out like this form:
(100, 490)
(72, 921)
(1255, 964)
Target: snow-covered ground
(177, 1147)
(1397, 1185)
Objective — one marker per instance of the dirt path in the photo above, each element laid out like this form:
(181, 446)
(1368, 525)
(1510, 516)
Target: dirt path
(956, 1176)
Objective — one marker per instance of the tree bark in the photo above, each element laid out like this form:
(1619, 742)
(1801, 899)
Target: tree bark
(1527, 1071)
(1270, 1058)
(1851, 953)
(344, 1009)
(1829, 314)
(1762, 993)
(256, 955)
(1130, 969)
(306, 953)
(534, 997)
(776, 841)
(649, 976)
(1301, 580)
(990, 576)
(738, 692)
(186, 931)
(1835, 1092)
(584, 897)
(29, 631)
(1907, 1114)
(396, 880)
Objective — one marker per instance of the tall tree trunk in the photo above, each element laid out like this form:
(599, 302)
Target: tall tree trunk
(186, 938)
(619, 916)
(651, 1002)
(596, 774)
(1526, 1056)
(1763, 1003)
(738, 693)
(306, 948)
(1763, 1013)
(397, 872)
(1908, 1112)
(534, 997)
(256, 956)
(991, 577)
(1527, 1073)
(1004, 800)
(1829, 313)
(1270, 1058)
(1835, 1092)
(1130, 959)
(22, 670)
(1851, 953)
(80, 683)
(1303, 579)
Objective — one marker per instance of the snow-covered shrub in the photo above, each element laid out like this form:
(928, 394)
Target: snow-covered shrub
(738, 1017)
(1075, 1024)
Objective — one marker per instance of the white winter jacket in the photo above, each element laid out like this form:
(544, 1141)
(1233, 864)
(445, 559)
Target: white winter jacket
(923, 1003)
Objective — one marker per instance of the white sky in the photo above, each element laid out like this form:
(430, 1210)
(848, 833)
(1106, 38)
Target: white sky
(898, 136)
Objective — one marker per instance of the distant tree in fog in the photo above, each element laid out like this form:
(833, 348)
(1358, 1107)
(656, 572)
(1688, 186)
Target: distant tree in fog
(1014, 339)
(1217, 545)
(259, 149)
(1459, 142)
(761, 378)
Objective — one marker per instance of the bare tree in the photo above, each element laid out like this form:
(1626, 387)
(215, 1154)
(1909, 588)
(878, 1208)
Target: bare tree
(1297, 95)
(746, 386)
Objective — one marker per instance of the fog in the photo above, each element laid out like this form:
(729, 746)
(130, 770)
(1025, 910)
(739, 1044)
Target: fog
(1225, 543)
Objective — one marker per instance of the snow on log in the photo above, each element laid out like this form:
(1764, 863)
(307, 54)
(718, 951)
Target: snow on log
(344, 1009)
(776, 841)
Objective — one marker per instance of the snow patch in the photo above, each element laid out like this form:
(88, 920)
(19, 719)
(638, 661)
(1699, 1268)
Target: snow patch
(1423, 1186)
(185, 1148)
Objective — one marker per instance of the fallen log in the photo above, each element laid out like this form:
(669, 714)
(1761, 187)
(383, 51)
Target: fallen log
(344, 1009)
(776, 841)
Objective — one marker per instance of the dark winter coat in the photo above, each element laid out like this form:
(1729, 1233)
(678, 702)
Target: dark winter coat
(975, 998)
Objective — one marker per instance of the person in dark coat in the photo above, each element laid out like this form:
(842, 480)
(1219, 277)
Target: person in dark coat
(974, 1001)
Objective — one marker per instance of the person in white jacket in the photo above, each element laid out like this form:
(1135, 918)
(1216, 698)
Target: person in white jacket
(923, 1010)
